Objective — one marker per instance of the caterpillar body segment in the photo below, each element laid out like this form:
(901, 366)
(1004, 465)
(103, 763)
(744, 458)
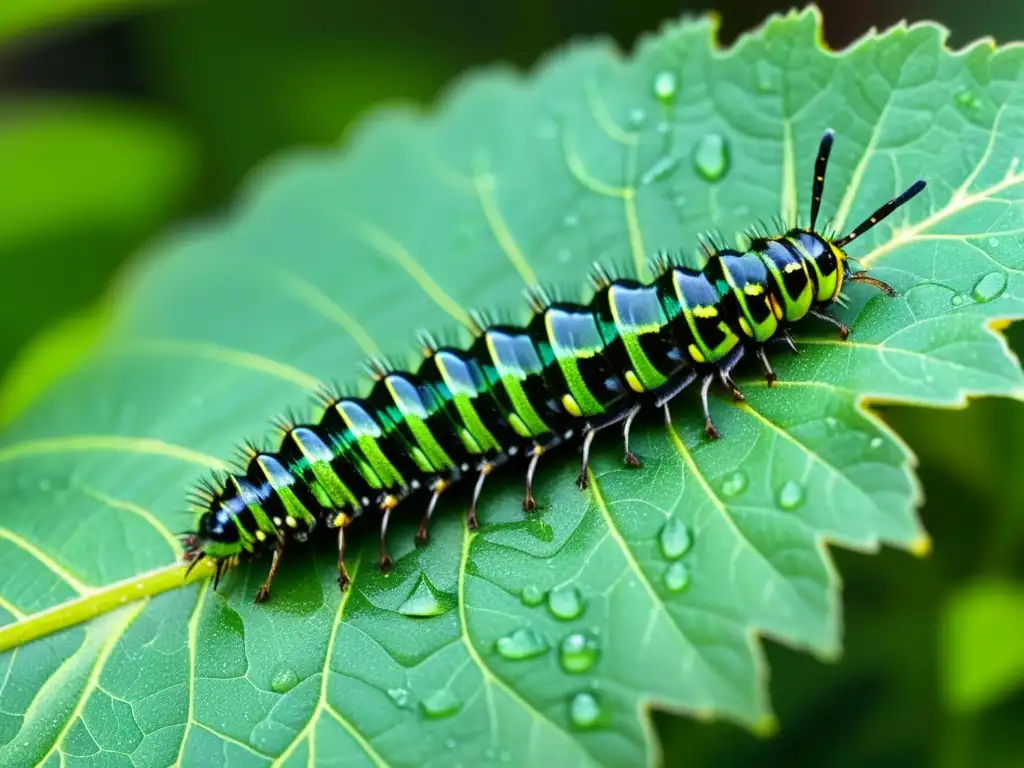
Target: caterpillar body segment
(517, 392)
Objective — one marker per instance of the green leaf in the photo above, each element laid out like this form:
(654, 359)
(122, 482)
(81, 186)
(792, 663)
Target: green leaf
(84, 182)
(537, 639)
(19, 18)
(981, 661)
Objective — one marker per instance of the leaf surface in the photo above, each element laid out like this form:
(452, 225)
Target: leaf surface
(533, 640)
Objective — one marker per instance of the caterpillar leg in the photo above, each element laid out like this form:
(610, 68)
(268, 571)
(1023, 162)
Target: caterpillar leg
(787, 339)
(343, 579)
(844, 332)
(769, 375)
(709, 425)
(663, 400)
(529, 503)
(440, 486)
(387, 505)
(590, 430)
(630, 458)
(485, 470)
(264, 592)
(725, 372)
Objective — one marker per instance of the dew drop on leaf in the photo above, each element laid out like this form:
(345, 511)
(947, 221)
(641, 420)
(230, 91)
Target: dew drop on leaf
(734, 484)
(675, 539)
(400, 696)
(283, 680)
(664, 167)
(571, 220)
(990, 287)
(532, 595)
(957, 300)
(450, 743)
(968, 101)
(677, 577)
(584, 711)
(442, 703)
(423, 601)
(791, 495)
(993, 242)
(666, 84)
(566, 602)
(564, 256)
(578, 652)
(521, 644)
(637, 117)
(711, 157)
(876, 442)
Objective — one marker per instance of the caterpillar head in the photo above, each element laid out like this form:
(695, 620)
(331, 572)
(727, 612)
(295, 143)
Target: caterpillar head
(217, 534)
(831, 262)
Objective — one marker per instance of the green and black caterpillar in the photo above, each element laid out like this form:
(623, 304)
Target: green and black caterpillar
(518, 392)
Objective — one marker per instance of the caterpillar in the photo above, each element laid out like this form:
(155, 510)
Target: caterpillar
(518, 392)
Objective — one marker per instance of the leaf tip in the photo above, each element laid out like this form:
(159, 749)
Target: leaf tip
(766, 726)
(921, 546)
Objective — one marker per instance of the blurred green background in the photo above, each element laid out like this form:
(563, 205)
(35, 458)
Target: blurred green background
(119, 119)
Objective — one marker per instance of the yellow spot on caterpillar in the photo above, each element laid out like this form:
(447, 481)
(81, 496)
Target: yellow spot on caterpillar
(921, 546)
(290, 521)
(793, 266)
(753, 289)
(571, 406)
(517, 424)
(634, 382)
(261, 536)
(776, 307)
(388, 502)
(695, 353)
(745, 327)
(704, 311)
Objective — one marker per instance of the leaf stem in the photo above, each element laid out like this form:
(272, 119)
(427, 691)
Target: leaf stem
(100, 601)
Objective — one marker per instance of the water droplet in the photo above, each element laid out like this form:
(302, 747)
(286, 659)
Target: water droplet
(679, 201)
(664, 127)
(957, 300)
(564, 256)
(532, 596)
(571, 220)
(584, 711)
(968, 101)
(990, 287)
(400, 696)
(450, 743)
(677, 577)
(876, 442)
(283, 680)
(424, 600)
(521, 644)
(993, 242)
(831, 421)
(566, 602)
(578, 652)
(665, 86)
(442, 703)
(791, 495)
(734, 484)
(711, 157)
(675, 539)
(540, 529)
(637, 117)
(662, 169)
(45, 485)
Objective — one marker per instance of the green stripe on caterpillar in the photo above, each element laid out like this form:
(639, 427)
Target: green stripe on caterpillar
(518, 392)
